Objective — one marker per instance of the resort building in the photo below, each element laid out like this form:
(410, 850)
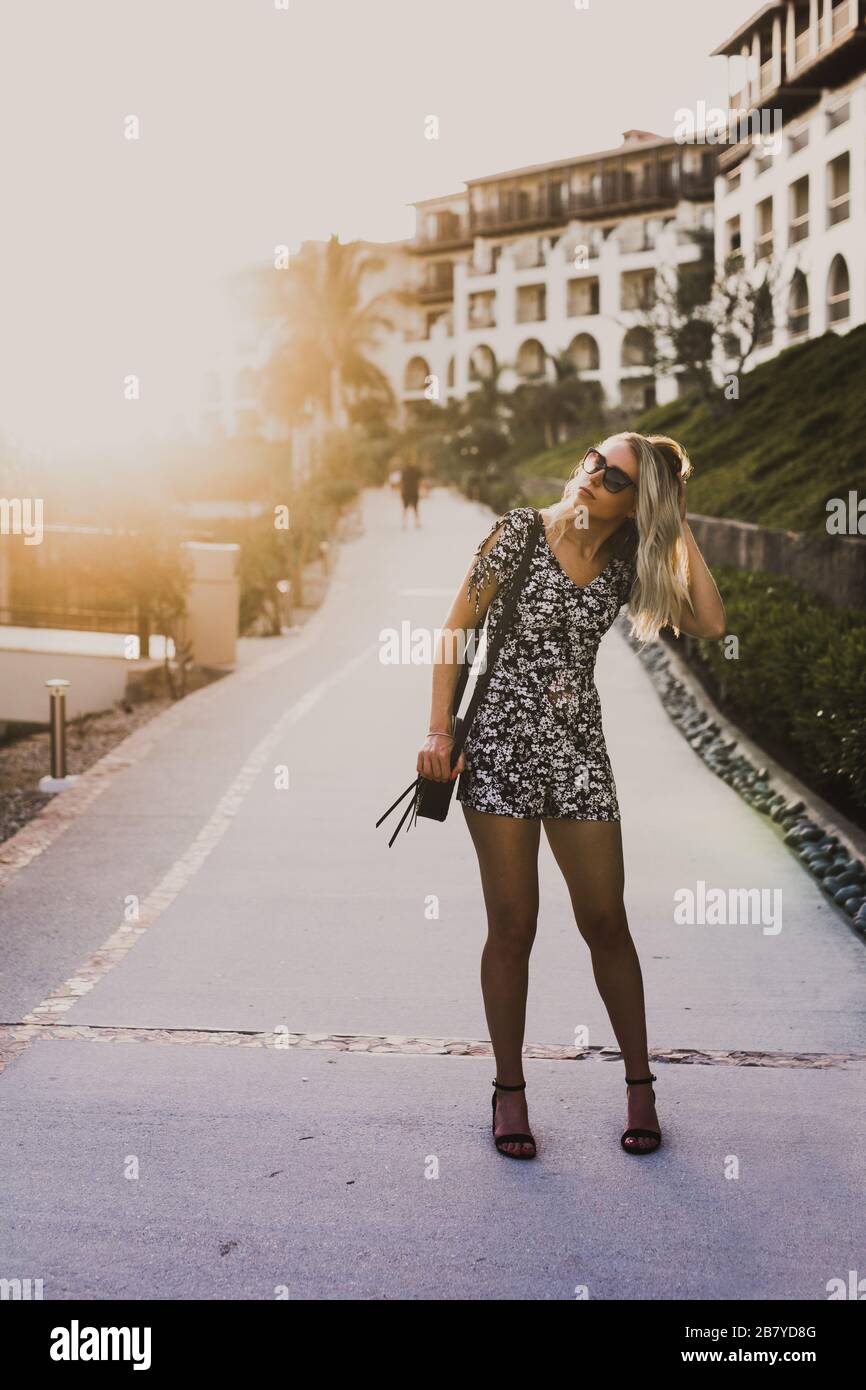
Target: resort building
(556, 257)
(794, 199)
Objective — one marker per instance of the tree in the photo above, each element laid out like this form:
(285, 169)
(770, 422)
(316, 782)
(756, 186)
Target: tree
(741, 310)
(677, 318)
(558, 406)
(330, 330)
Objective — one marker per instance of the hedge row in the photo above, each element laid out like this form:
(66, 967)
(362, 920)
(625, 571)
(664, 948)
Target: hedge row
(798, 682)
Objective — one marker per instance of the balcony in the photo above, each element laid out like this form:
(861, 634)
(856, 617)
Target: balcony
(764, 247)
(799, 229)
(838, 209)
(438, 283)
(841, 19)
(830, 63)
(449, 232)
(610, 190)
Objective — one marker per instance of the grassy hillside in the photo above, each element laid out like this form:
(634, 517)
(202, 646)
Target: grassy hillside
(796, 437)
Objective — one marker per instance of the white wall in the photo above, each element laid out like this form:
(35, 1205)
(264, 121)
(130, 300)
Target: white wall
(814, 254)
(608, 327)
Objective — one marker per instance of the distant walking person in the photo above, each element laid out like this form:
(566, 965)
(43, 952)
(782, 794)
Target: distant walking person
(410, 480)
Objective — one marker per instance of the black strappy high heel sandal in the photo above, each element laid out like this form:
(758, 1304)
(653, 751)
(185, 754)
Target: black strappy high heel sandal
(500, 1139)
(635, 1133)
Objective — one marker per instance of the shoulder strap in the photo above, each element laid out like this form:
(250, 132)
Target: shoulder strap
(513, 589)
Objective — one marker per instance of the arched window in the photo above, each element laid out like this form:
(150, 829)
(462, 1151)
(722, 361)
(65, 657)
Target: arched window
(531, 361)
(637, 348)
(416, 375)
(583, 351)
(838, 291)
(798, 305)
(482, 362)
(450, 377)
(764, 315)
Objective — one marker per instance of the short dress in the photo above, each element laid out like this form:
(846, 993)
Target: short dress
(536, 745)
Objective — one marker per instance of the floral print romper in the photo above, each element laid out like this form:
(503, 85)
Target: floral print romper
(536, 745)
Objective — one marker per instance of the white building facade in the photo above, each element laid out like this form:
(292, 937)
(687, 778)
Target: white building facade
(795, 200)
(557, 257)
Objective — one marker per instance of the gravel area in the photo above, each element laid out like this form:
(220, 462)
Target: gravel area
(26, 756)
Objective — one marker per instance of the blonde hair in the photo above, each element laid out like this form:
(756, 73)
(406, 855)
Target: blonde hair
(653, 538)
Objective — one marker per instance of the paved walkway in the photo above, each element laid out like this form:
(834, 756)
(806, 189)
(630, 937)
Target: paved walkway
(155, 1142)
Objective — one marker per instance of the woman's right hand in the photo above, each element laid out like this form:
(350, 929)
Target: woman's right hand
(434, 759)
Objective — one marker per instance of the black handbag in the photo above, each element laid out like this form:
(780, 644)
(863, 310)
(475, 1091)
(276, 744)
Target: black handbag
(432, 799)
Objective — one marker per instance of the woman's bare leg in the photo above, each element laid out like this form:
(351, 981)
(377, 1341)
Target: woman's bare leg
(507, 849)
(589, 853)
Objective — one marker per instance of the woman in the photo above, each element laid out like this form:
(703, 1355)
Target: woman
(536, 752)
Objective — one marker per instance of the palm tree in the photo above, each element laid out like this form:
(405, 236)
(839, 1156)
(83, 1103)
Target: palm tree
(331, 329)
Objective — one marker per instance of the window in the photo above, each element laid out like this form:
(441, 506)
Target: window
(798, 306)
(841, 16)
(733, 240)
(637, 348)
(482, 363)
(582, 297)
(415, 376)
(838, 291)
(584, 353)
(531, 303)
(637, 289)
(531, 362)
(763, 162)
(838, 189)
(838, 116)
(482, 310)
(637, 394)
(801, 31)
(764, 229)
(732, 180)
(798, 140)
(764, 320)
(798, 219)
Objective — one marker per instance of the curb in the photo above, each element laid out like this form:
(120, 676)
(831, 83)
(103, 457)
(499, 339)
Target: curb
(830, 848)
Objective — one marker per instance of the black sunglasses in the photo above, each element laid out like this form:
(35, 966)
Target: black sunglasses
(615, 479)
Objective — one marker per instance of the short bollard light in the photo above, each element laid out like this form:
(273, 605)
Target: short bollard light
(58, 778)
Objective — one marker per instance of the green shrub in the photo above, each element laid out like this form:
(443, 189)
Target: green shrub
(799, 678)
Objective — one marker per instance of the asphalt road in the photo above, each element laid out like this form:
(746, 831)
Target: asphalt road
(228, 889)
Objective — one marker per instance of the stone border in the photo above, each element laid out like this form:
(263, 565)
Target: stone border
(829, 847)
(16, 1038)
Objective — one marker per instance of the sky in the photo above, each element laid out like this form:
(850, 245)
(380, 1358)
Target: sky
(264, 123)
